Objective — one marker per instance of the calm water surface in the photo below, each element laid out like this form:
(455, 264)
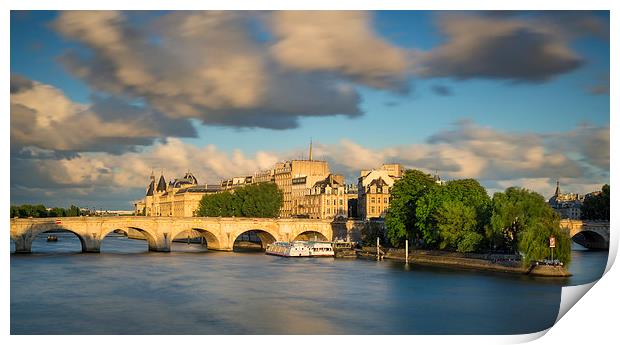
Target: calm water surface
(128, 290)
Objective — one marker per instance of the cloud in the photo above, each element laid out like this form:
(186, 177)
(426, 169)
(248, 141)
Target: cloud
(43, 119)
(338, 41)
(270, 69)
(601, 87)
(519, 49)
(442, 90)
(497, 158)
(203, 65)
(101, 178)
(470, 150)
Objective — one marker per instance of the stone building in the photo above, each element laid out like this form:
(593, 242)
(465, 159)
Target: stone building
(328, 199)
(235, 182)
(177, 198)
(264, 176)
(374, 188)
(305, 173)
(567, 205)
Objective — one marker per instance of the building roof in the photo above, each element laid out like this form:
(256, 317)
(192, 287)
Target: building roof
(149, 192)
(188, 180)
(161, 185)
(210, 188)
(378, 182)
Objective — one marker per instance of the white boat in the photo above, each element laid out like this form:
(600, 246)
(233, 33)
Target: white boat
(321, 249)
(300, 249)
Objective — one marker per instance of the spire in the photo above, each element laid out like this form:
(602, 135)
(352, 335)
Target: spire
(161, 185)
(557, 188)
(310, 155)
(151, 187)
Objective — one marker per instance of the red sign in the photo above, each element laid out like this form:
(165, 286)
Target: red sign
(552, 242)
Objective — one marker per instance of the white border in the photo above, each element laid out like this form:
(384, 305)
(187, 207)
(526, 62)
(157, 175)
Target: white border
(592, 320)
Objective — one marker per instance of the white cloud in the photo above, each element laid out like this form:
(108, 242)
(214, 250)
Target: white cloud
(339, 41)
(43, 118)
(498, 159)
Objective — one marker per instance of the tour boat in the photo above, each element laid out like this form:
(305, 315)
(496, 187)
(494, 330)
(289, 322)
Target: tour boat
(300, 249)
(321, 249)
(52, 238)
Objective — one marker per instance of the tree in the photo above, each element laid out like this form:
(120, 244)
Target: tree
(596, 205)
(454, 216)
(261, 200)
(40, 211)
(457, 225)
(522, 221)
(400, 220)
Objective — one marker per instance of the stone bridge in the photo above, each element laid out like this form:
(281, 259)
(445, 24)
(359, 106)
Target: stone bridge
(219, 233)
(590, 234)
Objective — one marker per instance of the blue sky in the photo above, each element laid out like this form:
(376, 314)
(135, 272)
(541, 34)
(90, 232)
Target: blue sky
(496, 95)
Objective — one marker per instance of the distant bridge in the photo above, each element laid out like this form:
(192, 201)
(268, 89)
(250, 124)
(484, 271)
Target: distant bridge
(590, 234)
(219, 233)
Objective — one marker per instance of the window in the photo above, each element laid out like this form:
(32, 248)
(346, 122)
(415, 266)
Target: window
(340, 202)
(372, 209)
(372, 200)
(385, 200)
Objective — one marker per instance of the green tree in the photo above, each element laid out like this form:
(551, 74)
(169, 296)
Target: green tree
(40, 211)
(534, 240)
(596, 206)
(522, 221)
(454, 216)
(261, 200)
(400, 220)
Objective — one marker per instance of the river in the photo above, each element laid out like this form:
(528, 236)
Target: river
(127, 290)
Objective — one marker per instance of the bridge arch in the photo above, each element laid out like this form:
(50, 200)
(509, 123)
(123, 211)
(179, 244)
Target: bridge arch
(311, 235)
(590, 239)
(27, 239)
(150, 237)
(266, 236)
(213, 242)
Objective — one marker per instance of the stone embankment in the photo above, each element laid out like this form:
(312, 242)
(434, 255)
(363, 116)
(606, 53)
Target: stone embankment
(487, 262)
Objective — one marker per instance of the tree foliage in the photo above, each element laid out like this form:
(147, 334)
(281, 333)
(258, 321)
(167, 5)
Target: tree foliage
(460, 216)
(453, 216)
(261, 200)
(523, 222)
(401, 219)
(40, 211)
(596, 206)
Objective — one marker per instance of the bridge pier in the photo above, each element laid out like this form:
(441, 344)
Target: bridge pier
(23, 245)
(161, 244)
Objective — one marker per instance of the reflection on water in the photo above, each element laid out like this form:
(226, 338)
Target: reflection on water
(128, 290)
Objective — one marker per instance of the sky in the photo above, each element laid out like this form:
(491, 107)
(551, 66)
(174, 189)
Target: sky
(101, 99)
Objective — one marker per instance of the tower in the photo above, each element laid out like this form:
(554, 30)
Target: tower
(310, 154)
(557, 188)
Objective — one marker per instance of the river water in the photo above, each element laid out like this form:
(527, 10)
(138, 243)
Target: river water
(127, 290)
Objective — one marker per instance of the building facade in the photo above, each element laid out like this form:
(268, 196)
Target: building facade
(328, 199)
(567, 205)
(177, 198)
(374, 189)
(295, 179)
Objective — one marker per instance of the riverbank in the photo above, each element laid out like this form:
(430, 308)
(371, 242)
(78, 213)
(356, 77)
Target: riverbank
(487, 262)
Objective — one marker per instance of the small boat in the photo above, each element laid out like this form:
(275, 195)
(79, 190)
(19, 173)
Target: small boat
(52, 238)
(300, 249)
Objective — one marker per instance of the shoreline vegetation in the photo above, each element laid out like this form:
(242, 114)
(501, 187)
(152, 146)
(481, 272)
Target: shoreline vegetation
(459, 217)
(505, 263)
